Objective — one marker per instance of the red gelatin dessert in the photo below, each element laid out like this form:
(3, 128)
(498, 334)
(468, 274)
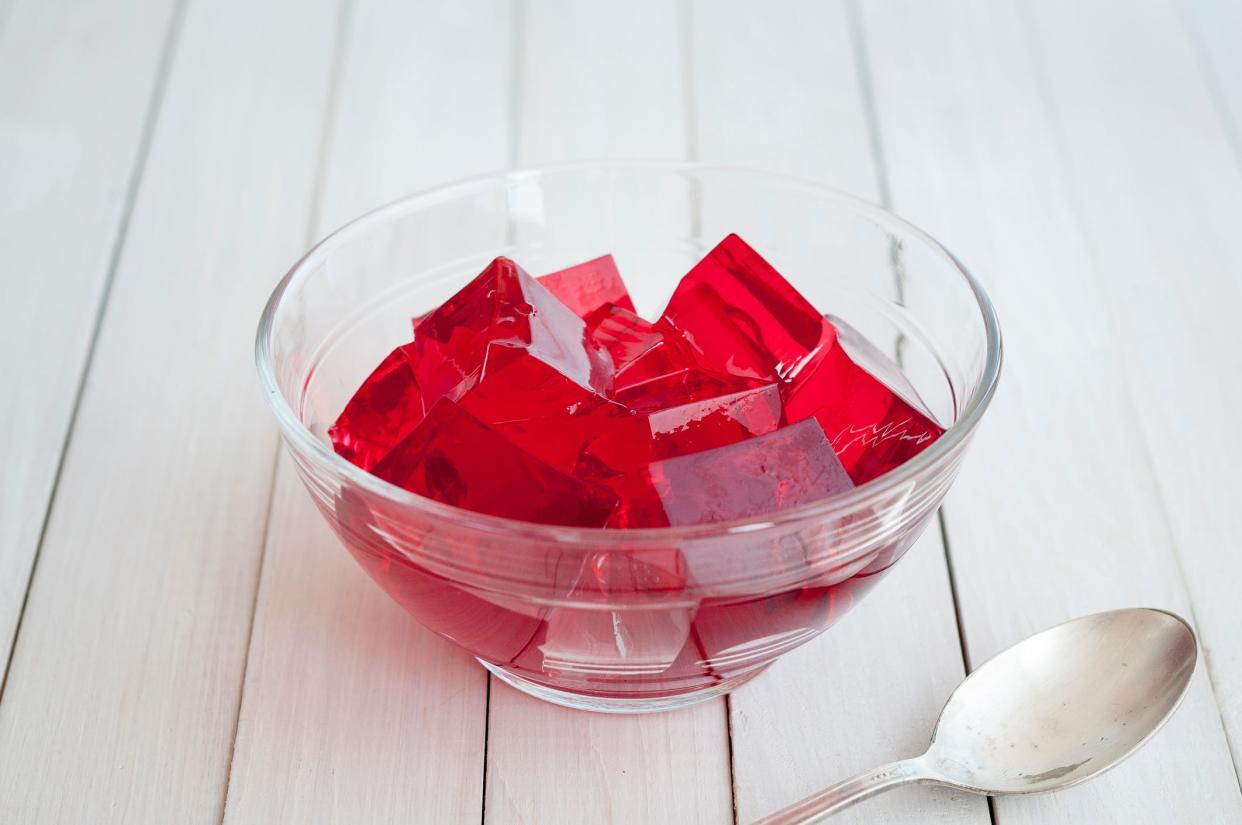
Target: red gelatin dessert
(504, 319)
(744, 318)
(518, 360)
(454, 458)
(589, 286)
(620, 642)
(786, 468)
(740, 316)
(872, 428)
(879, 365)
(687, 428)
(551, 400)
(655, 368)
(386, 408)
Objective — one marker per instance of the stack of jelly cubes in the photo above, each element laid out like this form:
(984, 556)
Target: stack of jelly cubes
(551, 400)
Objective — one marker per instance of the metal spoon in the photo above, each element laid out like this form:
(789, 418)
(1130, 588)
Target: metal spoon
(1054, 710)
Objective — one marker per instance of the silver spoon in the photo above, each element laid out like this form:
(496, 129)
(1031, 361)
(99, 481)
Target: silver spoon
(1054, 710)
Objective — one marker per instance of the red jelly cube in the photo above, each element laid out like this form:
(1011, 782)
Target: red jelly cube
(589, 286)
(880, 366)
(871, 427)
(792, 466)
(743, 318)
(518, 360)
(384, 410)
(501, 317)
(687, 428)
(654, 367)
(581, 642)
(624, 335)
(715, 422)
(540, 410)
(454, 458)
(740, 316)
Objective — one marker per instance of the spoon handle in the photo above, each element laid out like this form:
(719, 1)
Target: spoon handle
(818, 807)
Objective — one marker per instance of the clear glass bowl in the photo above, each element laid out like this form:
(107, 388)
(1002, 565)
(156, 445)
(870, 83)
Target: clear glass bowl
(703, 608)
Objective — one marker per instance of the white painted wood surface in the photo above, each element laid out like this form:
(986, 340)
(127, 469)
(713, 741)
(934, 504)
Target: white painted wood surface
(77, 86)
(1215, 28)
(1161, 212)
(183, 655)
(122, 698)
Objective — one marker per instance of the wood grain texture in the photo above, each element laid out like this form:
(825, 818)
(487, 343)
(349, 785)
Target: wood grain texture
(597, 81)
(77, 81)
(868, 691)
(1215, 28)
(603, 80)
(353, 712)
(1075, 523)
(1161, 212)
(551, 765)
(123, 695)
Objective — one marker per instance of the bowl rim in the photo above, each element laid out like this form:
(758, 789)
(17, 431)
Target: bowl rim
(302, 439)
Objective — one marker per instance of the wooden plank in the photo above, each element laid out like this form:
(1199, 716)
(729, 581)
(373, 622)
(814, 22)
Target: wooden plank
(77, 81)
(869, 690)
(551, 765)
(603, 80)
(1161, 211)
(1058, 513)
(599, 82)
(123, 695)
(352, 712)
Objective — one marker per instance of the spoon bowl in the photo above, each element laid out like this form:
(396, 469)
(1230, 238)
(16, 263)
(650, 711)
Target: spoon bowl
(1052, 711)
(1065, 705)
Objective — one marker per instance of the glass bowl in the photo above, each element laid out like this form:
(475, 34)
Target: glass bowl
(690, 612)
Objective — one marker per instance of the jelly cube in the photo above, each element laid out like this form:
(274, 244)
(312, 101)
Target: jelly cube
(876, 362)
(454, 458)
(624, 335)
(740, 316)
(786, 468)
(687, 428)
(541, 410)
(518, 360)
(872, 428)
(501, 317)
(621, 641)
(654, 367)
(715, 422)
(590, 286)
(384, 410)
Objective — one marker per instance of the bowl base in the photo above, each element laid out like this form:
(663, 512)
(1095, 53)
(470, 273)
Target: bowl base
(606, 704)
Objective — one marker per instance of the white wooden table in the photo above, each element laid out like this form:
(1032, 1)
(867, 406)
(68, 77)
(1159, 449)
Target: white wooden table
(186, 644)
